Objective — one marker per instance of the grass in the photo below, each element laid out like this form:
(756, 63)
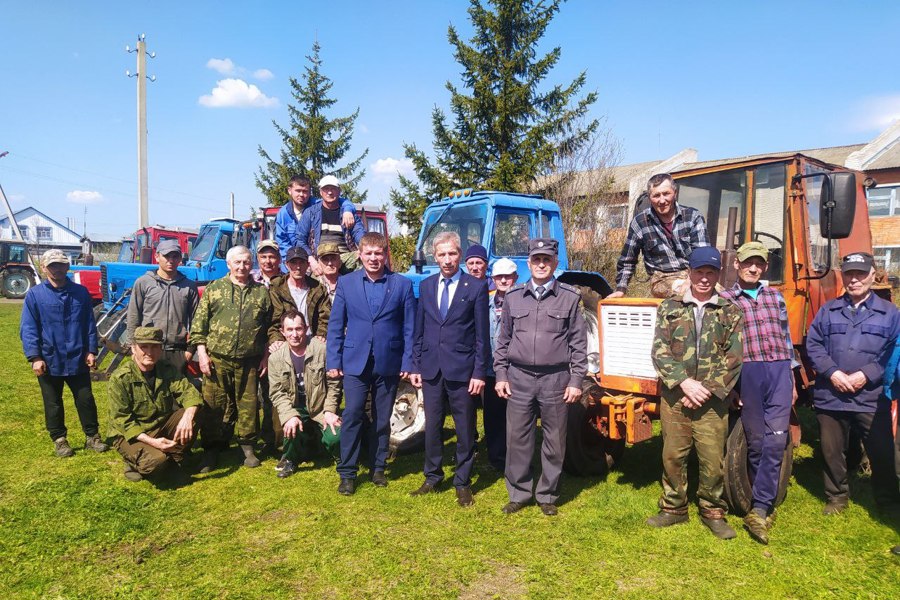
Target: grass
(76, 528)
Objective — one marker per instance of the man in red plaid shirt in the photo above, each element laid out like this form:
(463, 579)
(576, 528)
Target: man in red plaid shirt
(767, 382)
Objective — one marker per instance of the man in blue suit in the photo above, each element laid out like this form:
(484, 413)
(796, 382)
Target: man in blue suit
(370, 344)
(450, 358)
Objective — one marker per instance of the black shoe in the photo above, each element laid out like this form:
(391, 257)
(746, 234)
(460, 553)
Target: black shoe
(719, 527)
(835, 506)
(464, 496)
(288, 468)
(347, 487)
(425, 488)
(666, 519)
(209, 461)
(379, 479)
(513, 507)
(549, 509)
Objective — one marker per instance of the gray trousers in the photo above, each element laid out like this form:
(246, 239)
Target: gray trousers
(535, 394)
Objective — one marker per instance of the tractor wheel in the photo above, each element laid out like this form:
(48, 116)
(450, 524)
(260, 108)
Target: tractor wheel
(16, 284)
(407, 420)
(588, 452)
(738, 487)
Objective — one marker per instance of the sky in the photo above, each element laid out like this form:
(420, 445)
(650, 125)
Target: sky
(726, 78)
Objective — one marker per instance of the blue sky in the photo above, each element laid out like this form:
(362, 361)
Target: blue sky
(726, 78)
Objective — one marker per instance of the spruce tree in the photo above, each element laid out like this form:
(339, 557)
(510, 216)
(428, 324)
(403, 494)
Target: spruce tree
(507, 128)
(312, 145)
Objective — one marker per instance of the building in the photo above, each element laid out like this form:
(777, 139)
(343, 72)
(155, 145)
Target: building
(42, 232)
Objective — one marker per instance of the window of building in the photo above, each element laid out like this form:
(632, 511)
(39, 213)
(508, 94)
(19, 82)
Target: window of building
(888, 258)
(24, 230)
(884, 201)
(44, 234)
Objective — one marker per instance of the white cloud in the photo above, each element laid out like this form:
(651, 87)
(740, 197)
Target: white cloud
(84, 197)
(876, 112)
(385, 170)
(225, 66)
(263, 74)
(236, 93)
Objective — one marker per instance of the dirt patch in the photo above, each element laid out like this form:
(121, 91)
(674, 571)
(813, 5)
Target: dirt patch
(503, 583)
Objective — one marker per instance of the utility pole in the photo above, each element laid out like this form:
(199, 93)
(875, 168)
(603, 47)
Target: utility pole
(232, 205)
(141, 50)
(14, 226)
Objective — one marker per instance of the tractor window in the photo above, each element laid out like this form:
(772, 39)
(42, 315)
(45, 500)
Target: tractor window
(204, 244)
(512, 232)
(466, 220)
(375, 225)
(126, 252)
(16, 253)
(717, 195)
(818, 245)
(768, 215)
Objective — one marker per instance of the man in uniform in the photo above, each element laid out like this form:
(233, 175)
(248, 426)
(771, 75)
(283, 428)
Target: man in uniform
(697, 353)
(767, 383)
(289, 216)
(59, 338)
(165, 299)
(152, 407)
(666, 233)
(230, 333)
(268, 257)
(306, 404)
(322, 224)
(540, 361)
(849, 344)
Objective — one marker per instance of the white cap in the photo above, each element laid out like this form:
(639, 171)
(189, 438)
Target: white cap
(504, 266)
(329, 180)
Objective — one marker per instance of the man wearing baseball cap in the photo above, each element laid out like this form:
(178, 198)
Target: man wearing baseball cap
(268, 257)
(322, 223)
(849, 344)
(152, 408)
(288, 216)
(697, 353)
(59, 337)
(166, 299)
(767, 383)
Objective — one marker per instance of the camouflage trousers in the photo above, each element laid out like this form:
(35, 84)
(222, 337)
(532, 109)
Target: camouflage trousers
(231, 402)
(146, 459)
(350, 262)
(705, 429)
(667, 285)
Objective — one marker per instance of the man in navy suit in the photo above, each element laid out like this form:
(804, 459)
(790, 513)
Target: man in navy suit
(370, 344)
(450, 358)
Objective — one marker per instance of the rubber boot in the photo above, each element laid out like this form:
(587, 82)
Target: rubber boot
(209, 461)
(250, 459)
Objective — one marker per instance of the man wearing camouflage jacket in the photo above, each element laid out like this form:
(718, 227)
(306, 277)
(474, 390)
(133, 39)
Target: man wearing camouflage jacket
(697, 353)
(229, 331)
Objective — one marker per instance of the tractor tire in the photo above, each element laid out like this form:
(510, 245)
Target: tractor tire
(738, 486)
(407, 420)
(588, 453)
(16, 284)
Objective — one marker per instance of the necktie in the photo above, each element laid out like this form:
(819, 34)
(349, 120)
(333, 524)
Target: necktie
(539, 292)
(444, 305)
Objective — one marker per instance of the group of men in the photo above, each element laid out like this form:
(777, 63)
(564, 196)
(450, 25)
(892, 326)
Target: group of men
(339, 324)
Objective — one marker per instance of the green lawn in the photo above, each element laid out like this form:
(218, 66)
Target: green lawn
(76, 528)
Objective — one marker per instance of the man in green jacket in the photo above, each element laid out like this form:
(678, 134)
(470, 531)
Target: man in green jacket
(305, 402)
(697, 353)
(151, 408)
(229, 331)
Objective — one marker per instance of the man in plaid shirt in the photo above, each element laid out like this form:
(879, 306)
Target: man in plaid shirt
(666, 233)
(766, 386)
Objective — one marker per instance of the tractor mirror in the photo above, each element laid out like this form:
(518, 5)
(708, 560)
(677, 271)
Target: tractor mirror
(838, 206)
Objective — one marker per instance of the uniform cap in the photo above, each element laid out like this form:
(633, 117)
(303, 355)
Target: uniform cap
(296, 252)
(547, 246)
(328, 248)
(147, 335)
(329, 180)
(751, 249)
(267, 245)
(858, 261)
(504, 266)
(705, 256)
(476, 251)
(54, 256)
(165, 247)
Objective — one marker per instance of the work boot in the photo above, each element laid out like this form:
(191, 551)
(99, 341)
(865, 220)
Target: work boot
(719, 527)
(94, 443)
(770, 520)
(250, 459)
(755, 524)
(379, 479)
(835, 506)
(666, 519)
(288, 468)
(63, 449)
(209, 461)
(131, 474)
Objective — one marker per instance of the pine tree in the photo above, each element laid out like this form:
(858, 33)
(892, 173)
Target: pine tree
(313, 145)
(508, 130)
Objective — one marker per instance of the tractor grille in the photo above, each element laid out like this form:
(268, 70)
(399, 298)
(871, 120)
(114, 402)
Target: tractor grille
(104, 290)
(627, 340)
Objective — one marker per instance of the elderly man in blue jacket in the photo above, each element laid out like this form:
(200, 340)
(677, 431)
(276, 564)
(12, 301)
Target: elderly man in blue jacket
(59, 337)
(849, 343)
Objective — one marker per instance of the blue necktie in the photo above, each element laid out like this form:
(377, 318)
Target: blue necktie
(444, 305)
